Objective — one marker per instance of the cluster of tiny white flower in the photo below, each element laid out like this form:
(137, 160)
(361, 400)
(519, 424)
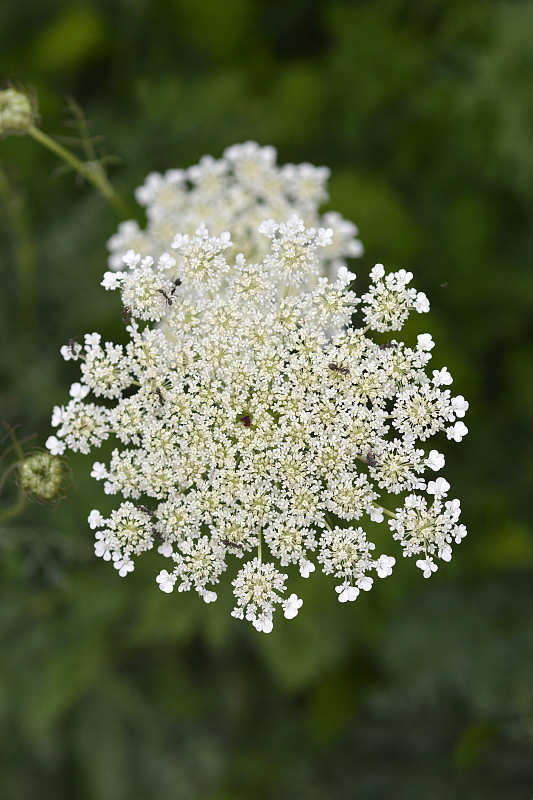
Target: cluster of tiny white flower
(234, 193)
(250, 413)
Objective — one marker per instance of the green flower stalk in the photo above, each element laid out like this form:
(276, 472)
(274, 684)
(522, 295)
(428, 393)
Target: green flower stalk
(19, 117)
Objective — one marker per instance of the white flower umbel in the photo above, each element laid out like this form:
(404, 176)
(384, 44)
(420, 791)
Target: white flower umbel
(253, 424)
(235, 193)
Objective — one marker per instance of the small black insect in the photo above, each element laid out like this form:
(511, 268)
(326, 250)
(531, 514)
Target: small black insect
(388, 345)
(371, 459)
(72, 343)
(146, 510)
(159, 396)
(126, 315)
(339, 368)
(168, 297)
(156, 534)
(246, 421)
(229, 543)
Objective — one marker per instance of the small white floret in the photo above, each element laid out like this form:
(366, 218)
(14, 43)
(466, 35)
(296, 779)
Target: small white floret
(99, 471)
(439, 488)
(421, 303)
(71, 351)
(291, 606)
(123, 565)
(95, 519)
(78, 391)
(441, 377)
(324, 237)
(376, 514)
(263, 625)
(165, 549)
(445, 552)
(457, 431)
(427, 565)
(345, 276)
(166, 581)
(306, 568)
(101, 549)
(425, 341)
(92, 340)
(459, 405)
(384, 566)
(57, 416)
(377, 272)
(166, 261)
(347, 594)
(112, 280)
(435, 460)
(131, 259)
(55, 446)
(459, 533)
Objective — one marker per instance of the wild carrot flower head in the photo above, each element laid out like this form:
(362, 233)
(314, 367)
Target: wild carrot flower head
(254, 422)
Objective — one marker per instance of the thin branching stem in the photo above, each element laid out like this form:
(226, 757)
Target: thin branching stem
(20, 502)
(92, 172)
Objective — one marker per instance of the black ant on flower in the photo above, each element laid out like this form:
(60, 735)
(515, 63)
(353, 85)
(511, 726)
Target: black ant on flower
(169, 297)
(338, 368)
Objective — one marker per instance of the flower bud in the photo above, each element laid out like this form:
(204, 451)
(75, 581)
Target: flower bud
(42, 476)
(18, 112)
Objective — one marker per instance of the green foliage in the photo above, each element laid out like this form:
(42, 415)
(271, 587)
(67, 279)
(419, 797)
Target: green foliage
(110, 689)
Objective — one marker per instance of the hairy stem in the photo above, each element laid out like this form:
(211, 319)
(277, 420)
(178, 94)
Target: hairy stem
(93, 172)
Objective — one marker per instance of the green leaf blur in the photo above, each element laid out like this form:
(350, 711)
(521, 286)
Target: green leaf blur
(422, 690)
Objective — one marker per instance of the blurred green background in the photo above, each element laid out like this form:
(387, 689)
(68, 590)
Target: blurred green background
(421, 690)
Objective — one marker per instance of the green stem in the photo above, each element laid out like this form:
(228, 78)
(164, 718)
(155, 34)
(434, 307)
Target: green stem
(6, 473)
(93, 173)
(15, 509)
(20, 502)
(16, 446)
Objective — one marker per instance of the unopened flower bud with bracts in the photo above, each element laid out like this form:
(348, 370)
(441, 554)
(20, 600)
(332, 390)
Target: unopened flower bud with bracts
(43, 477)
(18, 111)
